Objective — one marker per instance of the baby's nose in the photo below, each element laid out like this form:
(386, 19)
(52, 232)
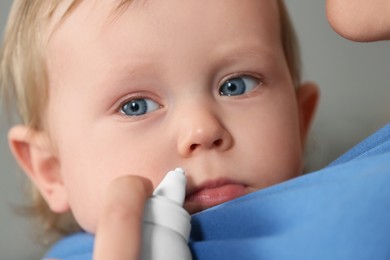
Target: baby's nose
(203, 130)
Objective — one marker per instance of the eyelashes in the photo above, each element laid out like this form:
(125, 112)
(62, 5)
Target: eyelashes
(239, 85)
(138, 106)
(141, 105)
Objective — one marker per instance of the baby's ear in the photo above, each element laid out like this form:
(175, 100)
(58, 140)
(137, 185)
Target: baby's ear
(307, 98)
(37, 157)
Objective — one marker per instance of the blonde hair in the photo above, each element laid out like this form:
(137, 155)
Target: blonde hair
(23, 75)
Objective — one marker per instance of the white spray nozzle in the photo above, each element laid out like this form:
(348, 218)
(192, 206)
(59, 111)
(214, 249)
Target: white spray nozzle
(173, 186)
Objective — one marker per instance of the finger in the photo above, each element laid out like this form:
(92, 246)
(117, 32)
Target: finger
(118, 234)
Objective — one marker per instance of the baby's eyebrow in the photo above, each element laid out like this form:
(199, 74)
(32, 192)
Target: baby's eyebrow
(249, 50)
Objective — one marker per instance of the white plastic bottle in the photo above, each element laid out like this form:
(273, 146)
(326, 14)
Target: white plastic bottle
(167, 226)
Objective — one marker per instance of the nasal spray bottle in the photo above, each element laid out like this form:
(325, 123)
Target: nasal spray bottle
(166, 224)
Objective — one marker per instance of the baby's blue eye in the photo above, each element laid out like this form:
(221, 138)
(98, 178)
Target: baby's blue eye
(139, 107)
(238, 86)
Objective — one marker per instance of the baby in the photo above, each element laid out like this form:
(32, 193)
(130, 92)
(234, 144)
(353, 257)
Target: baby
(113, 94)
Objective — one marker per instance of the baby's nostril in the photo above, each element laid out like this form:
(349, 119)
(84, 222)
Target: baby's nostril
(218, 142)
(193, 146)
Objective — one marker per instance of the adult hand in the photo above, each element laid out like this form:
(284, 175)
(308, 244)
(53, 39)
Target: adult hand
(118, 235)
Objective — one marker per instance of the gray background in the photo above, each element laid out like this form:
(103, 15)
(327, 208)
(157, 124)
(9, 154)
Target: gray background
(355, 89)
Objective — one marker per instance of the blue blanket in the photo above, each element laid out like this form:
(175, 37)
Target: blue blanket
(339, 212)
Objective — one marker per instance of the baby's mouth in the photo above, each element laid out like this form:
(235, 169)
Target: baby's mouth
(213, 193)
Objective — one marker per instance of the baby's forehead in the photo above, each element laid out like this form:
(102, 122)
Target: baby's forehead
(97, 17)
(59, 11)
(101, 24)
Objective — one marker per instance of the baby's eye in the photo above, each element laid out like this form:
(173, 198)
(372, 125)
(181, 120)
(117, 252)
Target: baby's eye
(139, 107)
(238, 85)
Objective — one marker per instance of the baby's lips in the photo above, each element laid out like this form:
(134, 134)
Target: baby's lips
(216, 192)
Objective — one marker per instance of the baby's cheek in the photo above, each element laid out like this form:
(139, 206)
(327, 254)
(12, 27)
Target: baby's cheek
(85, 208)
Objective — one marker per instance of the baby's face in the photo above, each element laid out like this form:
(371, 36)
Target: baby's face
(360, 20)
(201, 85)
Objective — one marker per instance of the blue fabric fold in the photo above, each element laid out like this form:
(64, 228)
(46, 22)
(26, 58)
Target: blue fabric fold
(339, 212)
(377, 143)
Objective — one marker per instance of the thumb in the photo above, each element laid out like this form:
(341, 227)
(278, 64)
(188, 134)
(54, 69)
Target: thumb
(118, 234)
